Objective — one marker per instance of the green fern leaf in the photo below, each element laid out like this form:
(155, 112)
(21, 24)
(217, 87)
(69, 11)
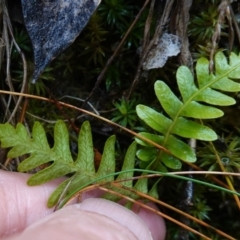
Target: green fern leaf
(178, 124)
(60, 159)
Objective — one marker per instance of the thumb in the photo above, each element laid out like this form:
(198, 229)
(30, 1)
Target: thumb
(88, 221)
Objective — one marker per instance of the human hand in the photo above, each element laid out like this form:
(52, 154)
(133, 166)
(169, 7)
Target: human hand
(24, 215)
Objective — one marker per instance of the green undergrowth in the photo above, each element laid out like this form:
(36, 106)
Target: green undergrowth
(185, 120)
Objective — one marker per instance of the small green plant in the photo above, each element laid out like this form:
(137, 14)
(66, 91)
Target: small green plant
(91, 43)
(116, 13)
(23, 41)
(229, 155)
(125, 113)
(39, 88)
(200, 209)
(202, 27)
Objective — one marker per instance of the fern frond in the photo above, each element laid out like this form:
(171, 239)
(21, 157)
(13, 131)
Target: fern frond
(60, 159)
(191, 106)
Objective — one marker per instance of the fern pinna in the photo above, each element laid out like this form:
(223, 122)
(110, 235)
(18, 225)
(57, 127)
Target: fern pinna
(208, 91)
